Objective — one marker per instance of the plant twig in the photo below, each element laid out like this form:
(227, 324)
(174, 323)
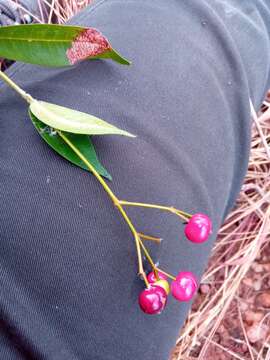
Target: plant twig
(184, 215)
(151, 238)
(113, 198)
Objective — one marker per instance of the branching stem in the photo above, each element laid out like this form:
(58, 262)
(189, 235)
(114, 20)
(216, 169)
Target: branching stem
(184, 215)
(113, 198)
(167, 274)
(151, 238)
(118, 203)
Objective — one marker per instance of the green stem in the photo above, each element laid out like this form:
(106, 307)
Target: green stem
(27, 97)
(151, 238)
(155, 268)
(167, 274)
(114, 200)
(184, 215)
(149, 259)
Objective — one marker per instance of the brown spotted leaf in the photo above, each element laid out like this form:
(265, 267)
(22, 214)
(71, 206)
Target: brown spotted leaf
(55, 45)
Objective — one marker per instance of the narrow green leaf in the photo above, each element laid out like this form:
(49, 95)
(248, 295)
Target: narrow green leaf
(55, 45)
(72, 121)
(82, 142)
(114, 55)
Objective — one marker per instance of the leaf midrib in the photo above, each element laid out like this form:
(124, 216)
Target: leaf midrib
(35, 40)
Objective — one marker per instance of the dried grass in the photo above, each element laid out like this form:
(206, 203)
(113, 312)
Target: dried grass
(55, 11)
(218, 326)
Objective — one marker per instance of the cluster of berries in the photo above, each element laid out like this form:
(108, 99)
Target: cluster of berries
(153, 299)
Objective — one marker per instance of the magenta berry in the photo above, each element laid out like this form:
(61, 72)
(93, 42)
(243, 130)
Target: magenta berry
(152, 278)
(152, 300)
(198, 228)
(184, 286)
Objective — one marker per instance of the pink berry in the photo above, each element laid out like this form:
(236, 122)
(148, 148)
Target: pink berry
(152, 278)
(198, 228)
(153, 299)
(184, 287)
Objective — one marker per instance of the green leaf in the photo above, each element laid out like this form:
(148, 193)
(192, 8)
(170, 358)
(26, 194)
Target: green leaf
(82, 143)
(55, 45)
(72, 121)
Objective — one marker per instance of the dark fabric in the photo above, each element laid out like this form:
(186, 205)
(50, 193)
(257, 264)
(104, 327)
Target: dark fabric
(68, 284)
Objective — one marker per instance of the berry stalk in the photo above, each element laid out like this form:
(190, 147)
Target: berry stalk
(149, 258)
(156, 270)
(152, 238)
(114, 200)
(184, 215)
(167, 274)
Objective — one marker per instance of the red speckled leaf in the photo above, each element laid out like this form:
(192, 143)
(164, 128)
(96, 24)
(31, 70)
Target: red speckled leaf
(89, 43)
(55, 45)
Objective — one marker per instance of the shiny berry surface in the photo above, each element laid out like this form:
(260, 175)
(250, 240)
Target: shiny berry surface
(184, 287)
(152, 300)
(164, 284)
(152, 278)
(198, 228)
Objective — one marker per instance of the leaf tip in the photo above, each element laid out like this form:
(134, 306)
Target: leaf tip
(126, 133)
(126, 61)
(119, 58)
